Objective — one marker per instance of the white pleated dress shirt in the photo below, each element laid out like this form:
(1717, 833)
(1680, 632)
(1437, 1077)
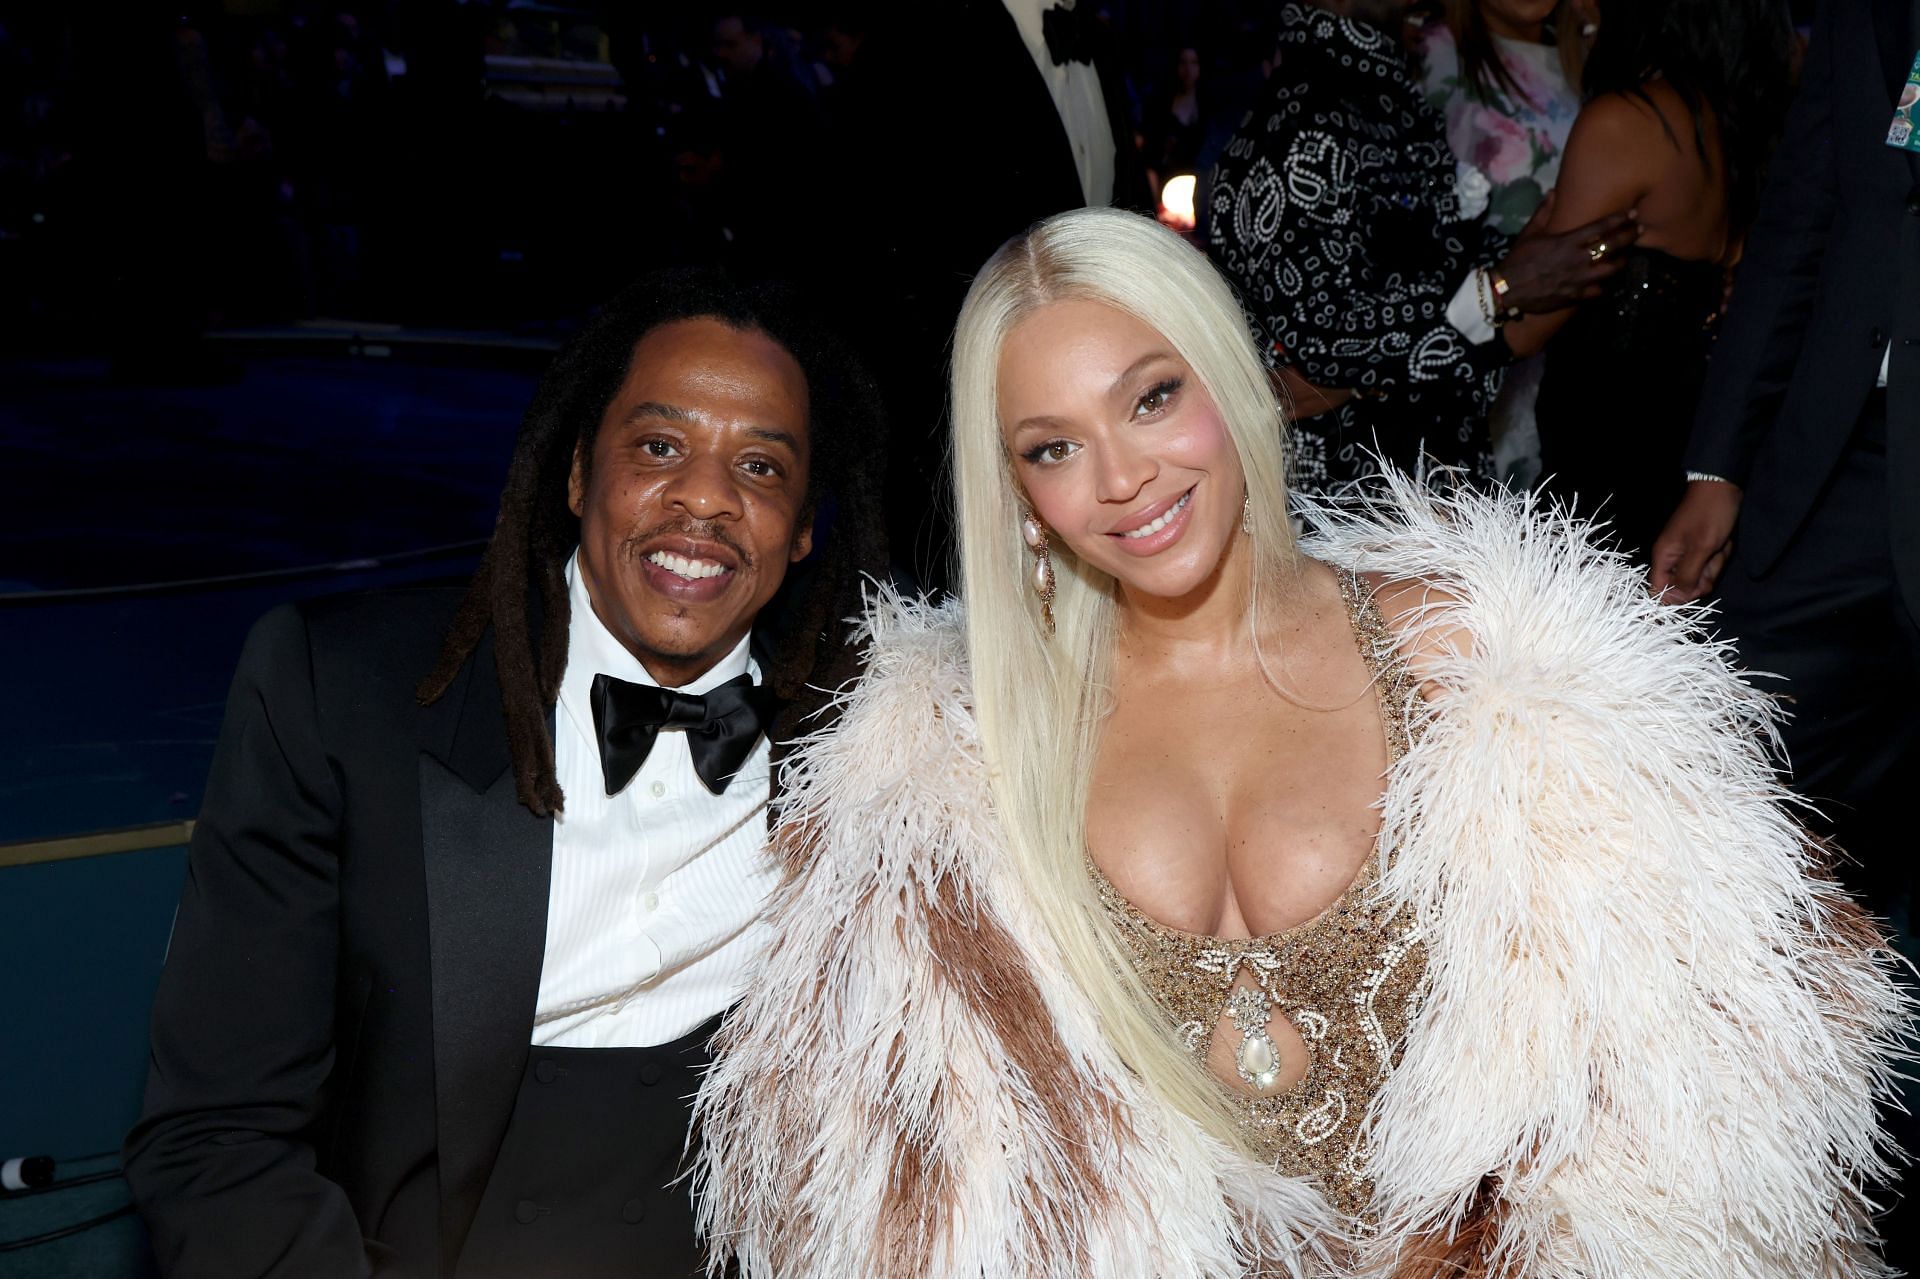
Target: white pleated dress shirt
(653, 917)
(1075, 87)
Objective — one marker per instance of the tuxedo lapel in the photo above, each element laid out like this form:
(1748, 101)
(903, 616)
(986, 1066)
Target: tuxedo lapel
(1036, 143)
(488, 865)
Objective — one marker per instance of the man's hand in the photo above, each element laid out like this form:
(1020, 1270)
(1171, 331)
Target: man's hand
(1692, 549)
(1550, 272)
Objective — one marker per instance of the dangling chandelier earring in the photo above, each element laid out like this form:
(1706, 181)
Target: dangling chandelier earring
(1035, 534)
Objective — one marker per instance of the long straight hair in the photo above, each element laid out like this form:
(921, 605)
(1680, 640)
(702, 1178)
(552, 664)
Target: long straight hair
(1731, 62)
(1040, 699)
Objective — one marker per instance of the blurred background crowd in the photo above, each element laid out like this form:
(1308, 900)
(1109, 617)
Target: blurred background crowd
(501, 167)
(490, 163)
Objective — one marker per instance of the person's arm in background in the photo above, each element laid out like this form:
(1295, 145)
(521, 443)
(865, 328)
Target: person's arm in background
(1612, 159)
(1759, 344)
(222, 1161)
(1384, 333)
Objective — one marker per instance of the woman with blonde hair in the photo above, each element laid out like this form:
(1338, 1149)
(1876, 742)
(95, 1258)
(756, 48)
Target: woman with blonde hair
(1102, 950)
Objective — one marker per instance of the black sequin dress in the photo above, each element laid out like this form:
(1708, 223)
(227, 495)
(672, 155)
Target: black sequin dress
(1622, 382)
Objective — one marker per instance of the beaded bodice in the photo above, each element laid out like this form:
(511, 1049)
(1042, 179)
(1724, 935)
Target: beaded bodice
(1346, 980)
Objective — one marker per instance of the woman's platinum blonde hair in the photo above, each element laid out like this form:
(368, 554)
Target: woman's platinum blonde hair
(1041, 698)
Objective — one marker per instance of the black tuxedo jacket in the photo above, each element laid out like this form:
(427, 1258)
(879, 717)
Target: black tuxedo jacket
(1831, 275)
(344, 1018)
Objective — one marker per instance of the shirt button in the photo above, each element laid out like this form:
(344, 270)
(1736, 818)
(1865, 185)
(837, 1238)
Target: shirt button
(658, 789)
(633, 1211)
(651, 901)
(526, 1212)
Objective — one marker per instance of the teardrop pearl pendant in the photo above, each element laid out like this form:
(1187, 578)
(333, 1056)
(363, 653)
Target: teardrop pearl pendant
(1258, 1060)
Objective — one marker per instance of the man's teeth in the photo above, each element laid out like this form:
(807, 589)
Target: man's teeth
(1148, 529)
(681, 566)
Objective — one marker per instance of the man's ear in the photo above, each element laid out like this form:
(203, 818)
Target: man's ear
(577, 480)
(802, 538)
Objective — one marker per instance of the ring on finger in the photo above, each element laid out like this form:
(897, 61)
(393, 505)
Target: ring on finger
(1597, 252)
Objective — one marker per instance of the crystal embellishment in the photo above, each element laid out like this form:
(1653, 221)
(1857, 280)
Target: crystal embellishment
(1258, 1060)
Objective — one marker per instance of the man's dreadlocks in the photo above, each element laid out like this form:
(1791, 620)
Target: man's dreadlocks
(521, 584)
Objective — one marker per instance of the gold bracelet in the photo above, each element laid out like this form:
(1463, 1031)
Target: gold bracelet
(1487, 313)
(1500, 290)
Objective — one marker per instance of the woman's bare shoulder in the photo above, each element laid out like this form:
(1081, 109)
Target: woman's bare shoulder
(1425, 616)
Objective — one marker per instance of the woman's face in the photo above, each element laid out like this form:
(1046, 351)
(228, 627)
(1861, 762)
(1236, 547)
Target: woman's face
(1517, 19)
(1186, 68)
(1119, 449)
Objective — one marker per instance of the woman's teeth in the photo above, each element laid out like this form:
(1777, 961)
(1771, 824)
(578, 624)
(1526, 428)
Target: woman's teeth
(1146, 530)
(681, 566)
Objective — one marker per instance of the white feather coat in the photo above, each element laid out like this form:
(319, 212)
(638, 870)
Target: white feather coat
(1652, 1028)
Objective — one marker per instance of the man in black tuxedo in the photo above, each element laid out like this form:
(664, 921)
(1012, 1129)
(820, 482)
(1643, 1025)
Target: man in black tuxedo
(450, 951)
(970, 121)
(1803, 501)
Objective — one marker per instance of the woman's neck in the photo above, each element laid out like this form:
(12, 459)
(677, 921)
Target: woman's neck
(1525, 33)
(1209, 621)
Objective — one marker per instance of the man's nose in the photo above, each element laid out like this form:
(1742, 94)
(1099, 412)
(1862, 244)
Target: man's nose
(705, 489)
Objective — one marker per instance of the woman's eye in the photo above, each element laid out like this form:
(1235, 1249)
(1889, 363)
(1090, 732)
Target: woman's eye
(1051, 451)
(1157, 398)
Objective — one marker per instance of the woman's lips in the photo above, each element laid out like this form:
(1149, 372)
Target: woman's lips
(1172, 520)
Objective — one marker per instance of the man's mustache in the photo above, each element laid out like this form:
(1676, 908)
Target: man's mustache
(698, 530)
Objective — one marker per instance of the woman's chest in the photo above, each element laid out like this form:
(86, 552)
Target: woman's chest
(1244, 824)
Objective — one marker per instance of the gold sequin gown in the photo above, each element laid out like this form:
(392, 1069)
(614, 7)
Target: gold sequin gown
(1346, 980)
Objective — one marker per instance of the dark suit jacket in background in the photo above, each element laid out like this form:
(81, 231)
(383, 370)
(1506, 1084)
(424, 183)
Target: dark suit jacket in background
(347, 1006)
(1831, 274)
(955, 146)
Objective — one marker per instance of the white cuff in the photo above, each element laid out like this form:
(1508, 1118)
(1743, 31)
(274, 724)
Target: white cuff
(1464, 311)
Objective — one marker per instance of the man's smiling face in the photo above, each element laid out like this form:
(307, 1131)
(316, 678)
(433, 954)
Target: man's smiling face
(694, 499)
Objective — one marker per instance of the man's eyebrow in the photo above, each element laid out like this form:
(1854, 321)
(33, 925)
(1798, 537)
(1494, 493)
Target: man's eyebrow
(773, 435)
(653, 408)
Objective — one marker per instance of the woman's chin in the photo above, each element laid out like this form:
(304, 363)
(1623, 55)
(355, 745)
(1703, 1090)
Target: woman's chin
(1172, 579)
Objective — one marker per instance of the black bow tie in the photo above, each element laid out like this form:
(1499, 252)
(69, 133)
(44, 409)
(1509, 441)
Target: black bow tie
(721, 726)
(1069, 33)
